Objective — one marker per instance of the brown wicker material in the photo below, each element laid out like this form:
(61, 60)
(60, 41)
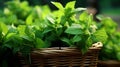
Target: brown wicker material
(67, 57)
(108, 63)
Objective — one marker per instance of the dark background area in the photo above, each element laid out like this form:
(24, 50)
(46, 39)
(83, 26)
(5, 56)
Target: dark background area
(104, 4)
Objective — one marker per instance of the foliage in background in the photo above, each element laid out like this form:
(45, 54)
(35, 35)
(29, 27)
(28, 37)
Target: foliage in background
(110, 50)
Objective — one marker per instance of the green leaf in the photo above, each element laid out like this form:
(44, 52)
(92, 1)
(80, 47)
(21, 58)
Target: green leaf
(74, 30)
(46, 30)
(90, 20)
(12, 41)
(109, 46)
(70, 5)
(58, 5)
(100, 36)
(10, 35)
(29, 31)
(37, 13)
(79, 9)
(40, 43)
(82, 46)
(84, 49)
(51, 20)
(63, 20)
(89, 42)
(39, 34)
(29, 20)
(118, 55)
(24, 4)
(59, 31)
(109, 25)
(12, 29)
(4, 28)
(76, 38)
(21, 29)
(66, 40)
(84, 16)
(27, 38)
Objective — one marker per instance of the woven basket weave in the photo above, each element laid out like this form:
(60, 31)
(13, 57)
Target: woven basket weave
(67, 57)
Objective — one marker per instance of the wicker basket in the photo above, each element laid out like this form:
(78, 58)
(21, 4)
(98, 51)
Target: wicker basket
(67, 57)
(109, 63)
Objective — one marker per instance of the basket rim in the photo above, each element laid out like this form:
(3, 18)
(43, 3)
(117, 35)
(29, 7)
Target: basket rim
(66, 48)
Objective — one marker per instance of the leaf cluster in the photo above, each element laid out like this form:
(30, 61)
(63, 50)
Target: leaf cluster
(110, 50)
(32, 27)
(42, 28)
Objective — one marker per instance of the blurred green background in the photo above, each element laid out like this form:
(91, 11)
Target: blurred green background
(106, 7)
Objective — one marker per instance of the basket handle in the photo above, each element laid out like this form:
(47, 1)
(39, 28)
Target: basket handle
(97, 45)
